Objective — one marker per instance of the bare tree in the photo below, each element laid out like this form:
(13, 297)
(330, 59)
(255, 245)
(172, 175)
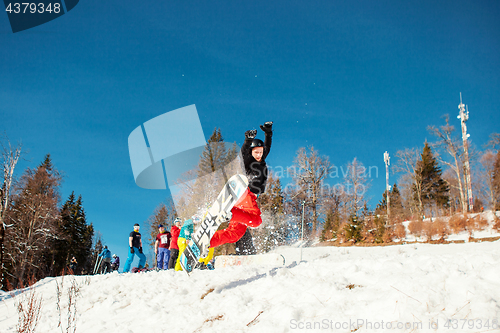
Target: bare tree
(309, 173)
(163, 214)
(33, 213)
(453, 147)
(455, 201)
(333, 217)
(486, 176)
(356, 183)
(10, 156)
(410, 181)
(494, 142)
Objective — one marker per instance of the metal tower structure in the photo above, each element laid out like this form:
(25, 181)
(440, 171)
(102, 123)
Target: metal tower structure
(387, 161)
(464, 116)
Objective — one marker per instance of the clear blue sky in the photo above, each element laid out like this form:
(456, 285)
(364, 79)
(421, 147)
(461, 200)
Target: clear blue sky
(352, 78)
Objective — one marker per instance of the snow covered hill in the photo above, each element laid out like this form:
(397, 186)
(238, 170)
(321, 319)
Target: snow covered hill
(404, 288)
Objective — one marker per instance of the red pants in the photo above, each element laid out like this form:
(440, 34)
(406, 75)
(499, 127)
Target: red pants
(246, 213)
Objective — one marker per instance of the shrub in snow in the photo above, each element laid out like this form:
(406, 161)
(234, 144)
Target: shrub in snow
(458, 223)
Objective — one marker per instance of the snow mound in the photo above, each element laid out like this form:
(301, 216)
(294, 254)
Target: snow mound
(403, 288)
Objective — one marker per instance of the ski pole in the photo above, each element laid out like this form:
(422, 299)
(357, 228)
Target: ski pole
(100, 262)
(93, 272)
(97, 265)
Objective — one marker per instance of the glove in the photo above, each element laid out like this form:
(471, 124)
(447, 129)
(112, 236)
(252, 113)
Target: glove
(251, 134)
(131, 250)
(226, 216)
(140, 250)
(267, 127)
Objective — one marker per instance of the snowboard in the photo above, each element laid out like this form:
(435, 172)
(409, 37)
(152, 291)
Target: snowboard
(197, 248)
(141, 270)
(265, 259)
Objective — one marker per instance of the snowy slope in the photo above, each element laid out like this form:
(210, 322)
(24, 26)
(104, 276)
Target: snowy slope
(405, 288)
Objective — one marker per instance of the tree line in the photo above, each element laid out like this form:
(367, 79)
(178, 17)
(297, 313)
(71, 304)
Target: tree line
(430, 183)
(38, 235)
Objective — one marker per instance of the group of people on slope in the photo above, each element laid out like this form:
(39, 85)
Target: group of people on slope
(104, 259)
(166, 245)
(108, 264)
(166, 248)
(246, 213)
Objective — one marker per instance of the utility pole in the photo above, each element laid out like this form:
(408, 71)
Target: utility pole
(464, 116)
(302, 237)
(387, 161)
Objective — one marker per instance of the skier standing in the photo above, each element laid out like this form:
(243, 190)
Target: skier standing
(135, 243)
(73, 264)
(106, 259)
(246, 212)
(174, 247)
(162, 245)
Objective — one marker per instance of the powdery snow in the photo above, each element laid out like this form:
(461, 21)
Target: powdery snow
(403, 288)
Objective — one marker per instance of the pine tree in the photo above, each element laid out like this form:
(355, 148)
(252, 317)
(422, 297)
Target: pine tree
(62, 244)
(215, 156)
(353, 229)
(381, 208)
(434, 190)
(217, 161)
(273, 231)
(272, 201)
(397, 209)
(332, 219)
(380, 228)
(74, 237)
(496, 181)
(327, 232)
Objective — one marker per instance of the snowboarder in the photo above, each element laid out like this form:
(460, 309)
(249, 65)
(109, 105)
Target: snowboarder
(244, 245)
(174, 247)
(115, 264)
(135, 243)
(106, 259)
(162, 246)
(246, 212)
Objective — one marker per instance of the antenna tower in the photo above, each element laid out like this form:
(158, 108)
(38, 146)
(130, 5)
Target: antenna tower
(464, 116)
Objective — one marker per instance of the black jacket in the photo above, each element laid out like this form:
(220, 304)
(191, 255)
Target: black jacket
(256, 171)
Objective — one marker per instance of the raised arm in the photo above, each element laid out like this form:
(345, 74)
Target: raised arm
(249, 136)
(267, 127)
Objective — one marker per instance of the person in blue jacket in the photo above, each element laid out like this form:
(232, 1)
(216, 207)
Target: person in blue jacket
(135, 243)
(106, 259)
(185, 235)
